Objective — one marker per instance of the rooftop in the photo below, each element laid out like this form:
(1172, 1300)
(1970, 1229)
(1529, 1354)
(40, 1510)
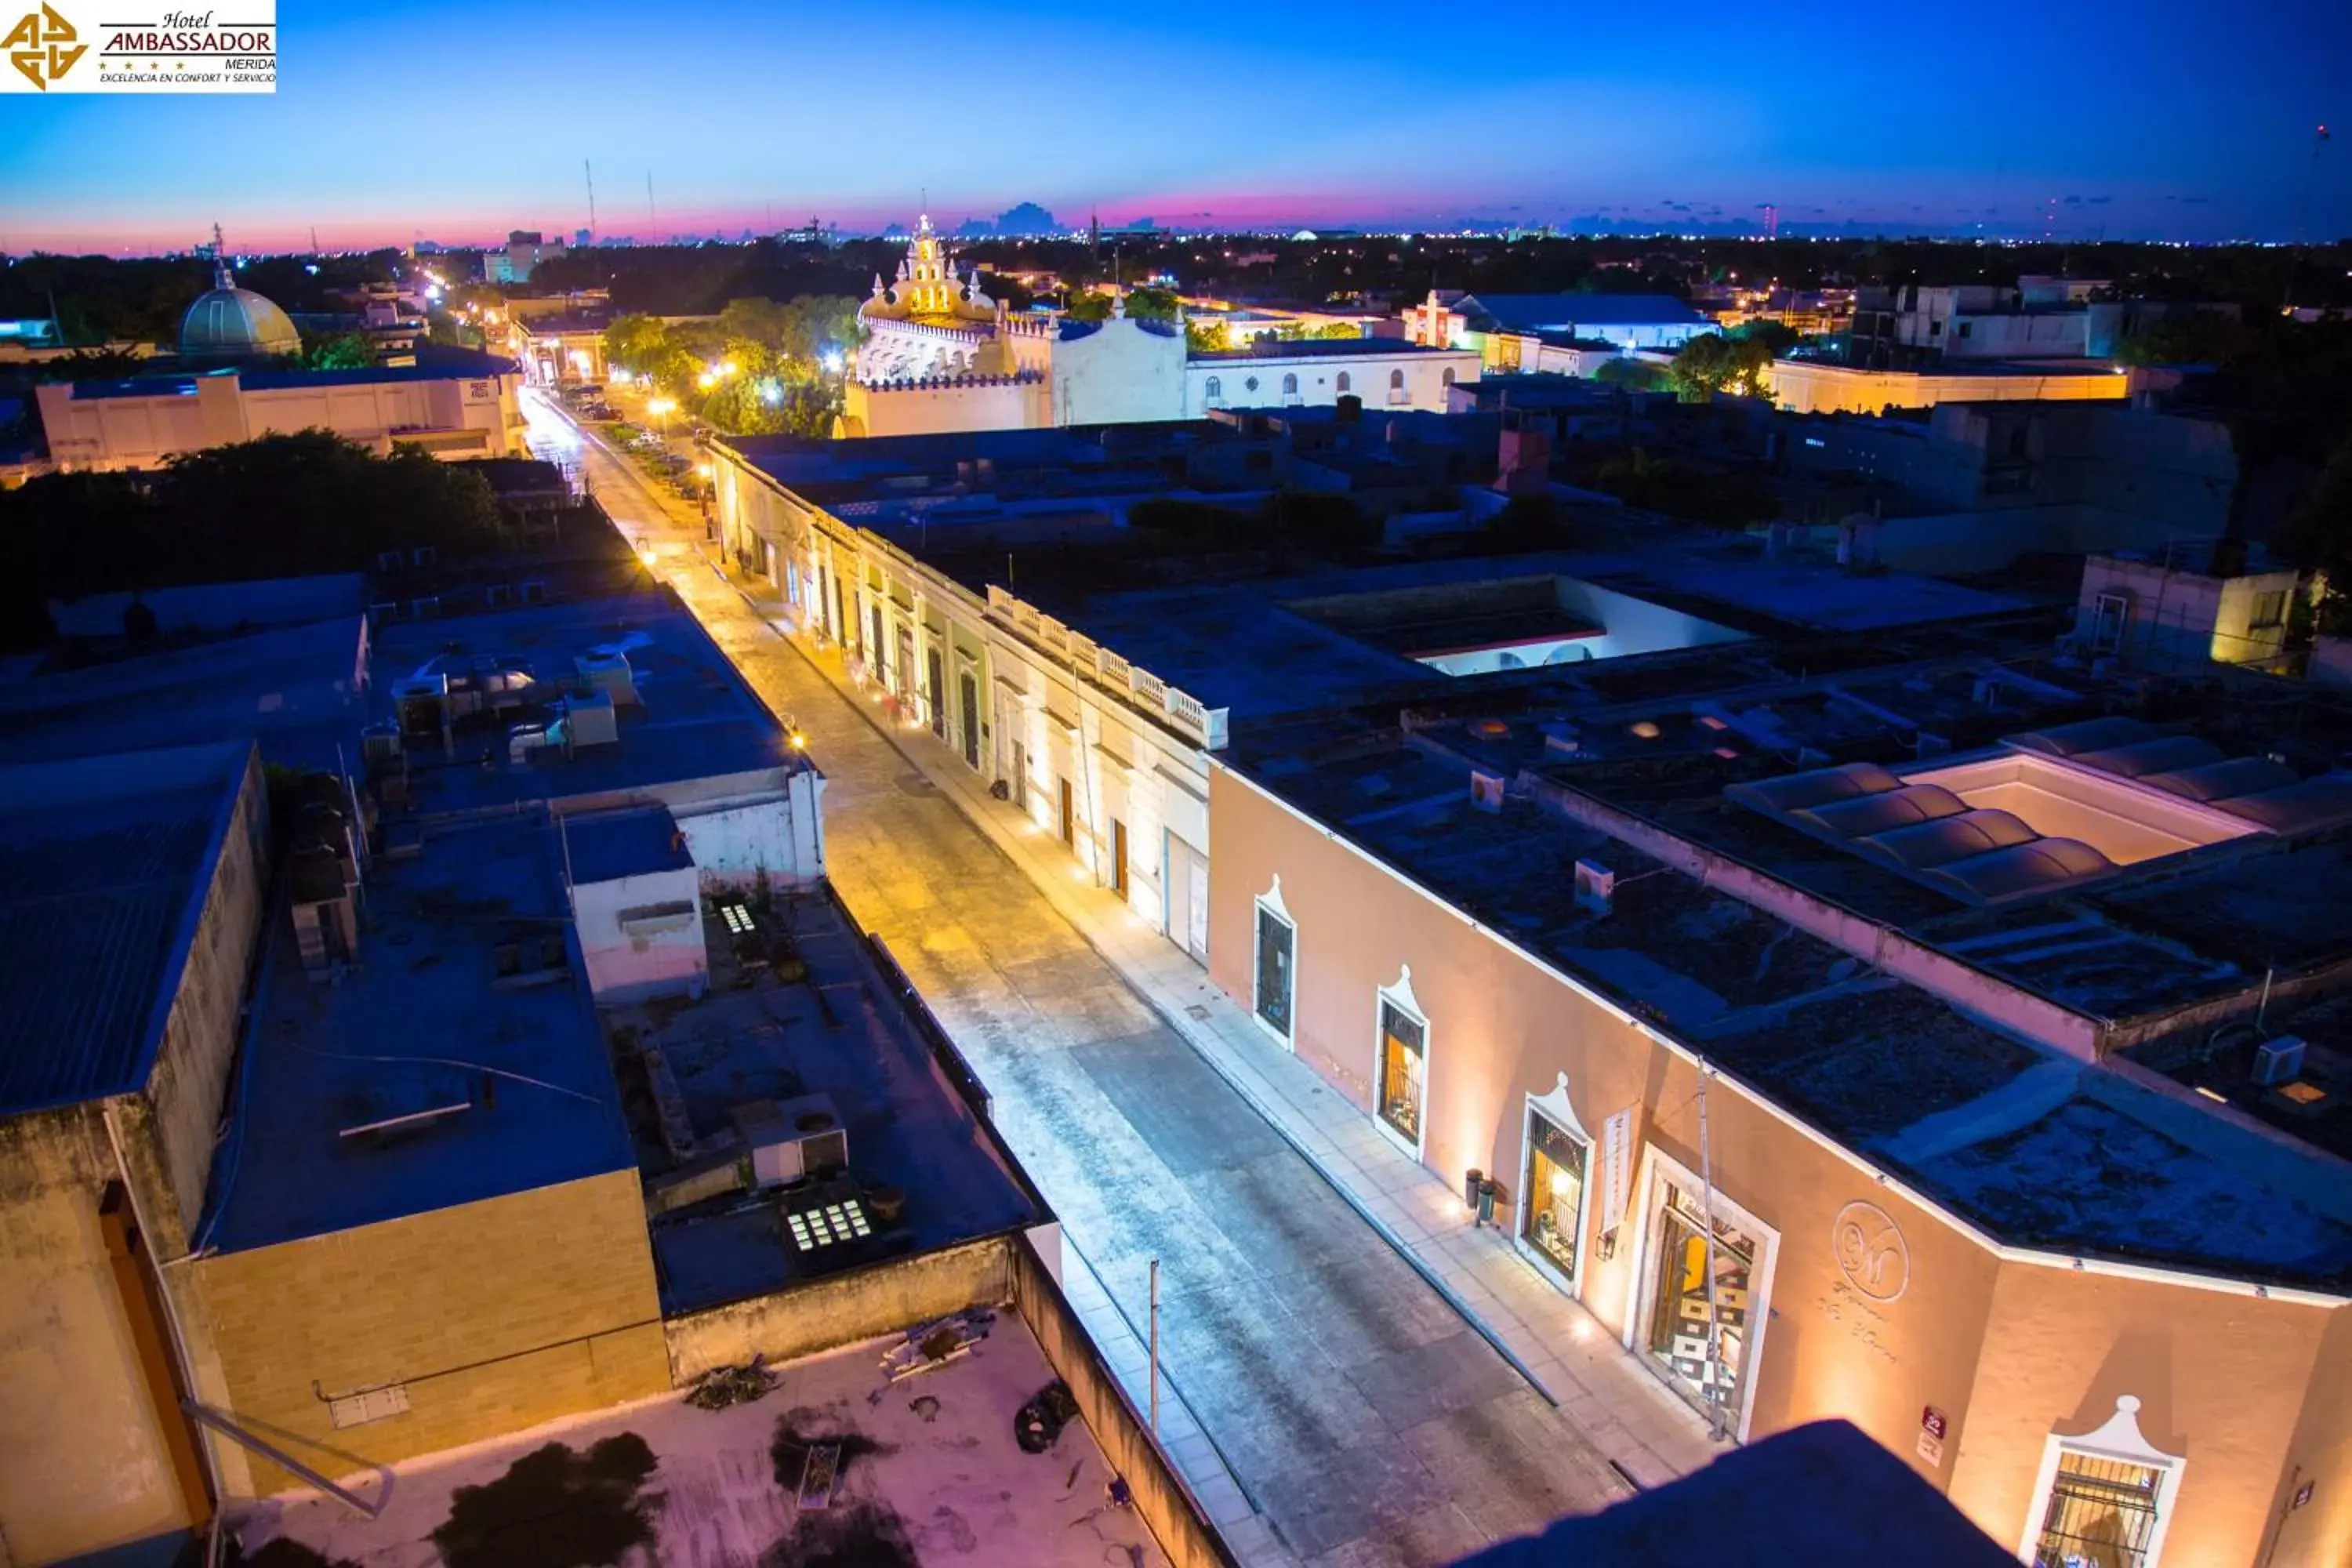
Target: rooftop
(447, 363)
(1517, 312)
(1319, 348)
(680, 709)
(457, 1059)
(606, 845)
(296, 692)
(105, 862)
(931, 1473)
(842, 1038)
(2031, 1143)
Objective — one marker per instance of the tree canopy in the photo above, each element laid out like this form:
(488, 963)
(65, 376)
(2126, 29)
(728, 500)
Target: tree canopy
(760, 368)
(281, 506)
(1152, 304)
(1712, 363)
(2184, 338)
(339, 350)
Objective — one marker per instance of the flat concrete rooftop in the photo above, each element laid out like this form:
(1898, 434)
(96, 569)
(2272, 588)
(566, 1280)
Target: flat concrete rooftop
(464, 1014)
(692, 716)
(840, 1033)
(295, 691)
(931, 1475)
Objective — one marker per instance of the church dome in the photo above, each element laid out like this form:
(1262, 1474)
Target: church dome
(232, 323)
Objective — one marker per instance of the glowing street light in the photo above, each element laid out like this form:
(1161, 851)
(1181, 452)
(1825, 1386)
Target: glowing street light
(662, 409)
(833, 363)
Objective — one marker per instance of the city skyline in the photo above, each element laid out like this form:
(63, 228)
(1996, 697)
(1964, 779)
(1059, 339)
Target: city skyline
(2180, 127)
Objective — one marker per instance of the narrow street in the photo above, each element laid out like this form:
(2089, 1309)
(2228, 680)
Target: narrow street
(1362, 1415)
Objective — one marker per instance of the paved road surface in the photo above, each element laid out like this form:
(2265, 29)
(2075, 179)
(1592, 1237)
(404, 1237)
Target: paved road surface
(1361, 1414)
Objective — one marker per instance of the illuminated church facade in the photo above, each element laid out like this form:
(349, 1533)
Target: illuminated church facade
(938, 355)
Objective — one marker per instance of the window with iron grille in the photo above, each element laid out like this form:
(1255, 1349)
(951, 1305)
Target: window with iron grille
(1275, 942)
(2102, 1513)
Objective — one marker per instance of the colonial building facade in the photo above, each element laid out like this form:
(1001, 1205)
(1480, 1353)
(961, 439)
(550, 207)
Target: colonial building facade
(1108, 758)
(941, 355)
(1806, 1157)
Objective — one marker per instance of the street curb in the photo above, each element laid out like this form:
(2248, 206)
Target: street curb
(1182, 1026)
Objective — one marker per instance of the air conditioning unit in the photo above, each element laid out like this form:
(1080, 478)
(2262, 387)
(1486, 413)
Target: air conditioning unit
(1596, 886)
(792, 1139)
(2278, 1061)
(1486, 790)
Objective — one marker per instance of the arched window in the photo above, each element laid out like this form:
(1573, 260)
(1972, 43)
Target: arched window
(1344, 383)
(1396, 381)
(1447, 380)
(1216, 388)
(1289, 386)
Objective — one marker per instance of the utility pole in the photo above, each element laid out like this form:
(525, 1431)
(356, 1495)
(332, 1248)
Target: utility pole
(590, 170)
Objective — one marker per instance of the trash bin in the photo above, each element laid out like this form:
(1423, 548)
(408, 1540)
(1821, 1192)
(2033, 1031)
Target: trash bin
(1488, 1193)
(1472, 1181)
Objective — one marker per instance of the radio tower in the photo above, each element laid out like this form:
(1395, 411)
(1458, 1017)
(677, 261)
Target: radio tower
(1771, 221)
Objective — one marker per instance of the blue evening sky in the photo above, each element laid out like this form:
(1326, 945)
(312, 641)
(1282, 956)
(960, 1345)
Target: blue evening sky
(2188, 119)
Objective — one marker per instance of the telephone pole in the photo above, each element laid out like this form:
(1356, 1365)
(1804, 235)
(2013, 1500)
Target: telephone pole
(590, 170)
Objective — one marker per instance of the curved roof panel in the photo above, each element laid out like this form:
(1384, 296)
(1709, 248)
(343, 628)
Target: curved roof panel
(2296, 807)
(2156, 754)
(1951, 839)
(2217, 781)
(1869, 814)
(1802, 791)
(2089, 735)
(2042, 866)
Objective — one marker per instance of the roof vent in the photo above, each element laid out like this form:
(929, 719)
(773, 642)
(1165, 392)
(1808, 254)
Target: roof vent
(1596, 886)
(1486, 790)
(2278, 1061)
(792, 1140)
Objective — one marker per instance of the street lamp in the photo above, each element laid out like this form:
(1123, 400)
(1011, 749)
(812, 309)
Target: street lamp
(662, 409)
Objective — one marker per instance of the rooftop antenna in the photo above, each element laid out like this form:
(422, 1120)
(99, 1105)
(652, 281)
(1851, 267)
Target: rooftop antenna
(590, 170)
(314, 239)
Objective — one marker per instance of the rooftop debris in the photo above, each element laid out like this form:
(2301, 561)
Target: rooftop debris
(1038, 1424)
(722, 1386)
(934, 1345)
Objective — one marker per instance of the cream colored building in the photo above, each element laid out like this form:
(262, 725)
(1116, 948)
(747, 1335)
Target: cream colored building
(460, 409)
(1812, 386)
(1109, 758)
